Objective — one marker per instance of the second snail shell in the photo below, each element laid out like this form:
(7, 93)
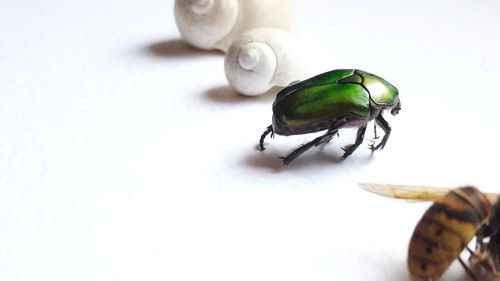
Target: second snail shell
(263, 58)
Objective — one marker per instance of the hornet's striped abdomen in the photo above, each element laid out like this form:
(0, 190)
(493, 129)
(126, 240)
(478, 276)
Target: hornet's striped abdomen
(444, 231)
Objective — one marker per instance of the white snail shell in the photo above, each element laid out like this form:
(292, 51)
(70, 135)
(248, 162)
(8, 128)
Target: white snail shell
(215, 24)
(263, 58)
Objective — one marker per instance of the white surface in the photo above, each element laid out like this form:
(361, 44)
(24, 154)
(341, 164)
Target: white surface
(124, 156)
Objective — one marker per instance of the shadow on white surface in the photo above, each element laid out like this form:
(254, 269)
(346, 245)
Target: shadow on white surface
(225, 94)
(401, 274)
(177, 48)
(269, 159)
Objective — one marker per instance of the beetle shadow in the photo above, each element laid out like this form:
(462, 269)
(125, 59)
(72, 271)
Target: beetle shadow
(177, 48)
(309, 160)
(226, 94)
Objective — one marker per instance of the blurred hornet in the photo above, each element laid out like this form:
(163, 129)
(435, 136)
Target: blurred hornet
(446, 228)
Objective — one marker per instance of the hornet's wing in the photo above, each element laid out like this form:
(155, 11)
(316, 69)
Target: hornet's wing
(414, 192)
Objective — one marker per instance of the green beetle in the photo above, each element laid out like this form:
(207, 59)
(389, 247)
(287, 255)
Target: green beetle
(331, 101)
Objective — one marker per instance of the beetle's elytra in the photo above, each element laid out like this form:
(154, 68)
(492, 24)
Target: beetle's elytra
(331, 101)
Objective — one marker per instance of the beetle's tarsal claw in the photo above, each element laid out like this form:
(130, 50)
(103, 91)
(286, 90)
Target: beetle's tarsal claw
(261, 146)
(266, 132)
(344, 157)
(348, 150)
(372, 142)
(376, 147)
(371, 146)
(285, 160)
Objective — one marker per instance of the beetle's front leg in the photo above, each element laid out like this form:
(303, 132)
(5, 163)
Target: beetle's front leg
(387, 131)
(349, 149)
(317, 141)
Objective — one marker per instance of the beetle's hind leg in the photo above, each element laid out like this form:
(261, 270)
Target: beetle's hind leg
(266, 132)
(349, 149)
(387, 131)
(317, 141)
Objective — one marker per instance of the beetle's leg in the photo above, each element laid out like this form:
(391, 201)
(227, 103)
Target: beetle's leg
(349, 149)
(467, 269)
(266, 132)
(375, 130)
(387, 131)
(317, 141)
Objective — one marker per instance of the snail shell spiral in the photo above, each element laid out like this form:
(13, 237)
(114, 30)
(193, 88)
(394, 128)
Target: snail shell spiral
(262, 58)
(204, 23)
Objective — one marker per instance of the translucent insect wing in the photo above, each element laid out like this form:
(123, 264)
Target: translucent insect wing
(408, 192)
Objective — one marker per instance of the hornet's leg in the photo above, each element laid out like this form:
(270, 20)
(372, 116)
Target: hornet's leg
(317, 141)
(349, 149)
(471, 274)
(481, 257)
(387, 131)
(472, 253)
(266, 132)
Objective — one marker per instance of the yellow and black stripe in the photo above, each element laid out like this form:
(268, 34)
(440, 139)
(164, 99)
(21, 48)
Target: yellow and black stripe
(445, 230)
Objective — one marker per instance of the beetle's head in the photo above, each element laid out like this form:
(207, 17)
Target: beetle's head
(395, 110)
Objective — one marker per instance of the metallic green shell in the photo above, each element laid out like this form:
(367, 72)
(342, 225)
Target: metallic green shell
(319, 100)
(312, 105)
(324, 78)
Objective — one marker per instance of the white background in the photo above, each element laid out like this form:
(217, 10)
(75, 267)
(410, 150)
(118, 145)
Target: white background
(125, 156)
